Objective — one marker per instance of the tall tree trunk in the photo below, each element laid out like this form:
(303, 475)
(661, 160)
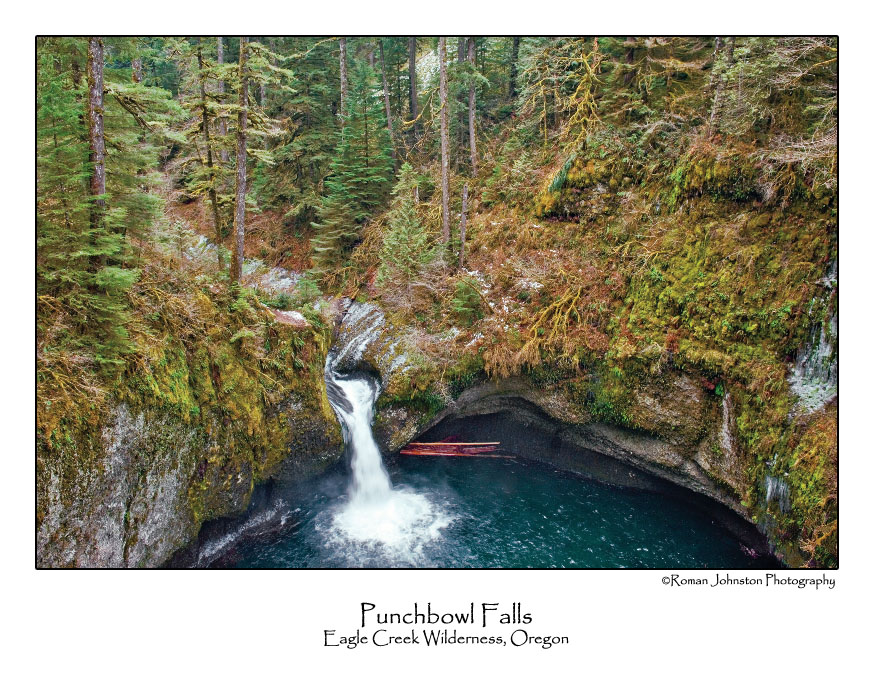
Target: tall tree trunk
(399, 107)
(96, 142)
(205, 122)
(223, 123)
(240, 201)
(344, 86)
(76, 73)
(463, 225)
(714, 85)
(388, 107)
(514, 58)
(472, 108)
(445, 140)
(461, 56)
(137, 77)
(713, 122)
(411, 70)
(263, 86)
(630, 74)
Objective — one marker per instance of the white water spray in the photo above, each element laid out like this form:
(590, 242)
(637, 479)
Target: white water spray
(378, 524)
(370, 481)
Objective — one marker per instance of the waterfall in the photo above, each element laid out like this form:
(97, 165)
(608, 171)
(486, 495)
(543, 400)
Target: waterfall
(814, 377)
(377, 524)
(778, 491)
(370, 481)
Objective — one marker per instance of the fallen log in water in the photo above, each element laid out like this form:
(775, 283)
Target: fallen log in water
(452, 445)
(454, 449)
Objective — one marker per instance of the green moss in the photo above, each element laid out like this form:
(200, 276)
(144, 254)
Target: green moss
(229, 388)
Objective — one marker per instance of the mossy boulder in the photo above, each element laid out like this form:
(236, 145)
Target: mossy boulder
(184, 436)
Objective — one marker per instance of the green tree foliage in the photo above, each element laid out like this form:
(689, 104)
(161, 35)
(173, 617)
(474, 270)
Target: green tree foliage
(265, 68)
(360, 177)
(84, 270)
(139, 123)
(406, 244)
(782, 95)
(204, 173)
(466, 301)
(303, 152)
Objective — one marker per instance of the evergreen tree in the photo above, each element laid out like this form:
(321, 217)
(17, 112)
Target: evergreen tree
(210, 92)
(360, 176)
(139, 122)
(445, 144)
(309, 133)
(406, 245)
(472, 108)
(416, 126)
(343, 78)
(84, 268)
(240, 189)
(388, 100)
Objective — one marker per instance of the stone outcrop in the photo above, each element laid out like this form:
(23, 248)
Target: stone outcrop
(144, 490)
(136, 487)
(684, 433)
(691, 455)
(153, 479)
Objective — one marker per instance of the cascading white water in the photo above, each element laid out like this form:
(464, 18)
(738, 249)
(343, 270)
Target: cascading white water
(378, 524)
(370, 481)
(814, 377)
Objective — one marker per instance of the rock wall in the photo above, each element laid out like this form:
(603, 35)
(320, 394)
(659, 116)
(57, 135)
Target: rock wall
(140, 492)
(694, 456)
(683, 433)
(145, 488)
(131, 483)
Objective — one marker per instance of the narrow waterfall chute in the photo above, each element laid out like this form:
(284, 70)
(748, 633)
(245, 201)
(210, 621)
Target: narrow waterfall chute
(370, 481)
(377, 523)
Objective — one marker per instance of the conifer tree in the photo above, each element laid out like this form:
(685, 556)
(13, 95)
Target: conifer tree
(309, 133)
(223, 122)
(445, 143)
(387, 100)
(514, 59)
(208, 148)
(240, 191)
(208, 105)
(84, 267)
(344, 87)
(460, 97)
(96, 142)
(202, 94)
(406, 246)
(414, 104)
(360, 175)
(472, 108)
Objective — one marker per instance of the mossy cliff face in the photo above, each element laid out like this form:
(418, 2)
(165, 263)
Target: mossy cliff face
(679, 436)
(673, 426)
(688, 303)
(182, 437)
(682, 431)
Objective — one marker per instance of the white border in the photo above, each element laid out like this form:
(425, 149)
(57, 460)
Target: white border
(122, 624)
